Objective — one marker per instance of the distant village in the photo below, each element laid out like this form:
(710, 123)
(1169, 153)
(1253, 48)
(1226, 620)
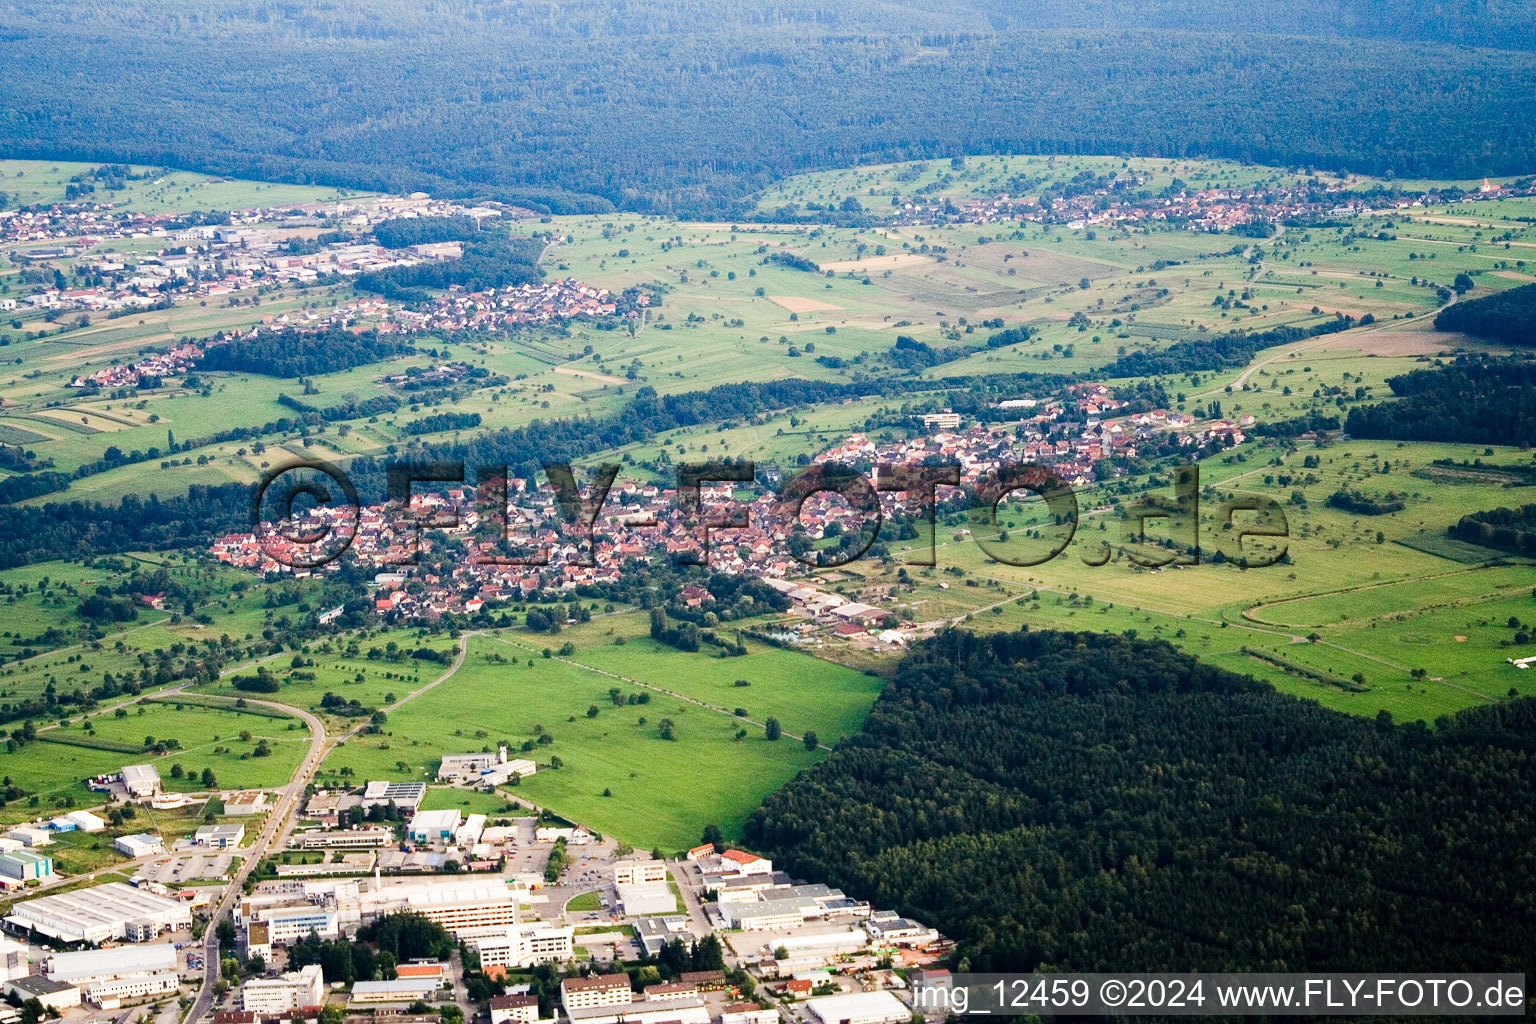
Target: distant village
(1211, 209)
(644, 521)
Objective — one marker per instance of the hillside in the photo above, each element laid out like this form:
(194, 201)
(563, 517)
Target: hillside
(665, 106)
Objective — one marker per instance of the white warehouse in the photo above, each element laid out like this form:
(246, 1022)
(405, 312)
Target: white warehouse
(100, 914)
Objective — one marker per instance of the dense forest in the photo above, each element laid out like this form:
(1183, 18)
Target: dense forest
(1470, 401)
(1509, 317)
(76, 529)
(492, 259)
(1508, 529)
(682, 106)
(293, 353)
(1073, 800)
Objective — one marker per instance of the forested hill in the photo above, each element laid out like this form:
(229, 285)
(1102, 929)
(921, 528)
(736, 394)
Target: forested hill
(1076, 800)
(683, 105)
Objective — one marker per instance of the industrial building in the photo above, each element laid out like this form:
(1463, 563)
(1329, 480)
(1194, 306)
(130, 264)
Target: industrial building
(456, 905)
(879, 1007)
(54, 994)
(291, 991)
(655, 932)
(428, 827)
(219, 837)
(101, 964)
(14, 961)
(247, 801)
(140, 844)
(100, 914)
(685, 1010)
(85, 821)
(405, 795)
(26, 866)
(141, 780)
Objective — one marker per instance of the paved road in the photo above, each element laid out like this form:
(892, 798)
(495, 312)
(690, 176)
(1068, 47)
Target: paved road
(276, 825)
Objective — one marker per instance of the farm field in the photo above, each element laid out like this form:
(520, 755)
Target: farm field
(56, 764)
(662, 792)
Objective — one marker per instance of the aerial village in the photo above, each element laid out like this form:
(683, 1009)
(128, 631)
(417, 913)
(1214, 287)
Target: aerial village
(712, 935)
(644, 520)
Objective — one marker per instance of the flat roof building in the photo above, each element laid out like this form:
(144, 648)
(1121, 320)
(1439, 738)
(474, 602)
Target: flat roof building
(140, 844)
(219, 837)
(521, 945)
(647, 899)
(141, 780)
(26, 866)
(401, 990)
(859, 1008)
(100, 914)
(100, 964)
(630, 872)
(291, 991)
(110, 993)
(405, 795)
(433, 826)
(55, 994)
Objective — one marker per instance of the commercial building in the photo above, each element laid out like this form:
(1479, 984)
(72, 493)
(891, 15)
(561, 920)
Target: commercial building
(26, 866)
(291, 991)
(93, 965)
(634, 872)
(859, 1008)
(595, 990)
(521, 945)
(100, 914)
(140, 844)
(522, 1009)
(111, 993)
(219, 837)
(141, 780)
(433, 826)
(405, 795)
